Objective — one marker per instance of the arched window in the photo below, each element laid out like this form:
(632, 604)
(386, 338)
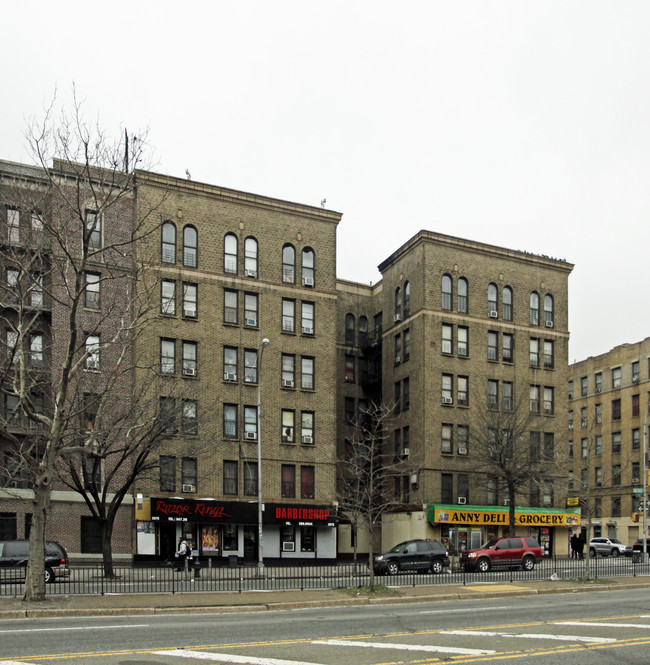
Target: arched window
(398, 304)
(463, 289)
(446, 292)
(363, 331)
(168, 245)
(534, 308)
(507, 303)
(250, 257)
(308, 266)
(407, 299)
(548, 310)
(230, 244)
(493, 301)
(190, 246)
(349, 329)
(288, 264)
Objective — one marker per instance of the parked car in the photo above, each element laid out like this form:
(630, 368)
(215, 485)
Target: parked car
(14, 555)
(503, 553)
(638, 546)
(607, 547)
(425, 555)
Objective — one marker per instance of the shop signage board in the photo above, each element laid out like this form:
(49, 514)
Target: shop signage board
(485, 515)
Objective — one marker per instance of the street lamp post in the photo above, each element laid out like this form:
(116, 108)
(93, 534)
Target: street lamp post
(260, 528)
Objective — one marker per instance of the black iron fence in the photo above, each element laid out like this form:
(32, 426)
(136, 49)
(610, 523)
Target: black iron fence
(166, 579)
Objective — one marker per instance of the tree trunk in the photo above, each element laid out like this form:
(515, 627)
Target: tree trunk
(511, 512)
(106, 530)
(35, 577)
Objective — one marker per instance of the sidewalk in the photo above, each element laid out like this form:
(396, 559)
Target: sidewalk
(255, 601)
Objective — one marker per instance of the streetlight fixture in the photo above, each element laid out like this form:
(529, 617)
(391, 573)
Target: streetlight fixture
(260, 528)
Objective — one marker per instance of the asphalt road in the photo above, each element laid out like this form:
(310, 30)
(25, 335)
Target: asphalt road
(598, 628)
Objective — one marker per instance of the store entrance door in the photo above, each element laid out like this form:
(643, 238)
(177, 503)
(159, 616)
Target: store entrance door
(250, 543)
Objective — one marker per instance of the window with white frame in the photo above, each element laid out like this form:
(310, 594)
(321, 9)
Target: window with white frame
(462, 341)
(250, 257)
(307, 427)
(549, 354)
(447, 389)
(493, 346)
(549, 400)
(307, 373)
(288, 370)
(190, 297)
(308, 266)
(534, 399)
(289, 264)
(167, 356)
(307, 318)
(251, 303)
(93, 229)
(189, 417)
(230, 421)
(534, 352)
(288, 426)
(493, 394)
(250, 422)
(168, 297)
(230, 243)
(230, 306)
(507, 347)
(616, 377)
(92, 292)
(92, 349)
(168, 243)
(190, 366)
(446, 439)
(447, 338)
(229, 363)
(250, 365)
(288, 315)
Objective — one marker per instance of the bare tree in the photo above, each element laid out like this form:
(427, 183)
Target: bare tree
(511, 453)
(368, 474)
(69, 299)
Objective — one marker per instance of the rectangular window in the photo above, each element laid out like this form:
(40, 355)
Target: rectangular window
(93, 229)
(462, 383)
(168, 297)
(507, 347)
(549, 445)
(92, 349)
(534, 352)
(636, 371)
(36, 349)
(251, 304)
(349, 410)
(616, 506)
(307, 318)
(446, 439)
(406, 394)
(189, 418)
(534, 399)
(493, 346)
(250, 423)
(549, 354)
(397, 346)
(549, 401)
(598, 476)
(462, 343)
(598, 381)
(288, 315)
(36, 290)
(307, 427)
(447, 338)
(447, 389)
(92, 291)
(288, 481)
(190, 299)
(189, 474)
(190, 367)
(598, 413)
(635, 405)
(250, 366)
(167, 415)
(584, 448)
(636, 472)
(306, 482)
(307, 373)
(492, 491)
(250, 478)
(288, 371)
(168, 356)
(229, 363)
(463, 487)
(462, 439)
(230, 478)
(547, 497)
(167, 473)
(230, 421)
(598, 444)
(446, 488)
(616, 474)
(616, 409)
(636, 438)
(583, 386)
(90, 535)
(583, 416)
(616, 442)
(13, 226)
(534, 447)
(230, 306)
(407, 345)
(288, 426)
(616, 377)
(349, 369)
(493, 394)
(506, 396)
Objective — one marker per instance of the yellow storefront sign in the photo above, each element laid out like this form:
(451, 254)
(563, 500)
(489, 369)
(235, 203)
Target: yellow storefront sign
(485, 517)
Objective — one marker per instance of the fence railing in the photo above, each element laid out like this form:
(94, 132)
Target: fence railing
(166, 579)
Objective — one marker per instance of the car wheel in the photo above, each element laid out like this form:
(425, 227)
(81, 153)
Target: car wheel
(528, 563)
(615, 553)
(393, 568)
(436, 567)
(49, 575)
(483, 565)
(592, 552)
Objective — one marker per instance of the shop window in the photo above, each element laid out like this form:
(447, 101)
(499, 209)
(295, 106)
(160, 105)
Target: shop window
(288, 538)
(307, 539)
(230, 537)
(90, 537)
(8, 526)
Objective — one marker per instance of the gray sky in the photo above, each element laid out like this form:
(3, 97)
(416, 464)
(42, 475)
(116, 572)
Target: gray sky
(523, 124)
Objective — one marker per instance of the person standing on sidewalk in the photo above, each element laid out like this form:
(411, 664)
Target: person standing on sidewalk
(181, 554)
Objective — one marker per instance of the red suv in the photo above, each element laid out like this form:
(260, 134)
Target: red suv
(503, 552)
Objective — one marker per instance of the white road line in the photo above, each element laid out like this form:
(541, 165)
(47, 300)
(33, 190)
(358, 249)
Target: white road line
(405, 647)
(63, 630)
(598, 623)
(14, 662)
(228, 658)
(541, 636)
(464, 611)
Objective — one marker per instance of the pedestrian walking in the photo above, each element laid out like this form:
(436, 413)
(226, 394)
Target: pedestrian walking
(574, 546)
(181, 554)
(581, 547)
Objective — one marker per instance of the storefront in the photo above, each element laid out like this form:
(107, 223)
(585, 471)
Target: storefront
(219, 530)
(468, 527)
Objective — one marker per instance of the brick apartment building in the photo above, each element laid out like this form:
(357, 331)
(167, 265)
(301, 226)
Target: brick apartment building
(452, 324)
(609, 397)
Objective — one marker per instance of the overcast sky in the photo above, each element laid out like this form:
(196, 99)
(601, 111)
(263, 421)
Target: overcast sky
(522, 124)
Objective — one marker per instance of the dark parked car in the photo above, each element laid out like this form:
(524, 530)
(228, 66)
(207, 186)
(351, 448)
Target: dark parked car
(504, 553)
(14, 555)
(426, 555)
(638, 546)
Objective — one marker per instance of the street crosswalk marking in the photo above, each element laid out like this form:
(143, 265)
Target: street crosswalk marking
(405, 647)
(227, 658)
(541, 636)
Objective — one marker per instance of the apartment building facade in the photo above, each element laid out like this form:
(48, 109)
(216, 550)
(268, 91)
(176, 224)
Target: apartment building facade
(609, 397)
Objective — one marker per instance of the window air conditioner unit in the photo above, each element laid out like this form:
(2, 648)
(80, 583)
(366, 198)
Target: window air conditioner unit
(308, 439)
(92, 363)
(405, 452)
(191, 313)
(308, 281)
(251, 322)
(398, 360)
(635, 379)
(190, 371)
(307, 331)
(493, 314)
(549, 324)
(414, 479)
(583, 423)
(288, 547)
(447, 400)
(571, 426)
(250, 273)
(251, 435)
(398, 317)
(287, 383)
(462, 451)
(230, 376)
(462, 500)
(249, 379)
(189, 488)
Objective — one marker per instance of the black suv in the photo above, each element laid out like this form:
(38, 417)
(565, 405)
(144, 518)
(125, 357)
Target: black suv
(426, 555)
(14, 555)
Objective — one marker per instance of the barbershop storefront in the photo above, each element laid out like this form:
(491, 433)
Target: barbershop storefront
(468, 527)
(219, 530)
